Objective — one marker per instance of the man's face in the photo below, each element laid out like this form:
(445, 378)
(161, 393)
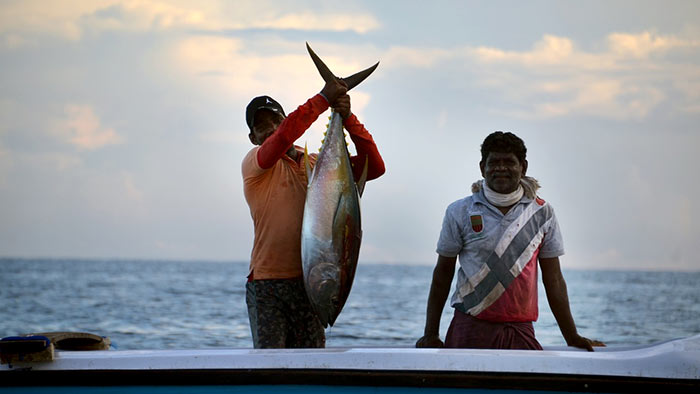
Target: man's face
(264, 124)
(503, 171)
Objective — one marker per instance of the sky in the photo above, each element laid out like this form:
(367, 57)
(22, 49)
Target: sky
(122, 125)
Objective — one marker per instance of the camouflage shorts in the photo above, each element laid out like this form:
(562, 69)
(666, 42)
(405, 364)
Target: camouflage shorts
(281, 316)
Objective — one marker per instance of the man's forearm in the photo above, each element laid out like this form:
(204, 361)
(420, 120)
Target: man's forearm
(366, 150)
(290, 130)
(436, 303)
(439, 291)
(558, 299)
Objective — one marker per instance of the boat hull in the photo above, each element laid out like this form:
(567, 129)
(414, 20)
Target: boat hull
(674, 365)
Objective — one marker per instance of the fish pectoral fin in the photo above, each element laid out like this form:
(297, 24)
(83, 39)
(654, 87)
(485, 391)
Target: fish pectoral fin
(341, 218)
(363, 178)
(338, 218)
(307, 164)
(346, 228)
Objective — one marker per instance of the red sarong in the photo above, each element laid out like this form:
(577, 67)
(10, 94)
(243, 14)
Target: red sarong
(467, 331)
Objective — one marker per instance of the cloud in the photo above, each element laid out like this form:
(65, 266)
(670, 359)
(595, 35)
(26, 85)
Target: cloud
(625, 79)
(596, 96)
(551, 50)
(358, 23)
(71, 20)
(270, 63)
(225, 67)
(145, 16)
(642, 45)
(21, 21)
(82, 128)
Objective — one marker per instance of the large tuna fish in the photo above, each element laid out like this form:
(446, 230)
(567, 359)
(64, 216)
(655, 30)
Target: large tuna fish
(331, 232)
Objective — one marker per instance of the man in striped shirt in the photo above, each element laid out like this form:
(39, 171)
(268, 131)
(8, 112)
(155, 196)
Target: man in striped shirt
(499, 234)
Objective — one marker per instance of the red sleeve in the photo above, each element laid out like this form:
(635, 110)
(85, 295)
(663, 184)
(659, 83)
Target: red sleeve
(366, 150)
(293, 126)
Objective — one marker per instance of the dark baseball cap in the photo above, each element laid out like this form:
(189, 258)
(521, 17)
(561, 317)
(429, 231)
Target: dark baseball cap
(261, 102)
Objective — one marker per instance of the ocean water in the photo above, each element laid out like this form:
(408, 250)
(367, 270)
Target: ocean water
(192, 304)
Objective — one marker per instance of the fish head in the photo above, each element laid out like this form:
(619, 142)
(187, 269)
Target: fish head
(323, 289)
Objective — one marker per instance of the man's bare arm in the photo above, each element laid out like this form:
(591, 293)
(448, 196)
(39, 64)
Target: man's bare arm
(558, 298)
(439, 291)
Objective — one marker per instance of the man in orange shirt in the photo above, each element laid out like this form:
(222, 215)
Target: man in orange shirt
(274, 184)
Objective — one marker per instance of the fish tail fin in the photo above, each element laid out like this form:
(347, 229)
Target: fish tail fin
(307, 164)
(325, 72)
(356, 78)
(328, 75)
(363, 178)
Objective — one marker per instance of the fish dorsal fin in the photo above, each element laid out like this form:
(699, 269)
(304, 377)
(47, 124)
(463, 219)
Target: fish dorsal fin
(363, 178)
(307, 164)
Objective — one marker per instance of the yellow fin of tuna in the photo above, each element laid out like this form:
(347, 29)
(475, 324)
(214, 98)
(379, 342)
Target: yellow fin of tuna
(307, 165)
(363, 178)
